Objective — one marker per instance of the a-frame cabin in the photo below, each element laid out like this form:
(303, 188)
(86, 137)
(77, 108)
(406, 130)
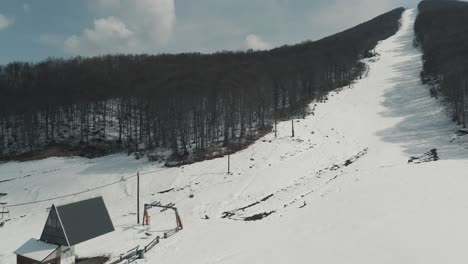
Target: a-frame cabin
(53, 231)
(65, 227)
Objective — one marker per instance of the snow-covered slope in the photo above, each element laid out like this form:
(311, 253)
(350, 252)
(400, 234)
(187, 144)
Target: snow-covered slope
(341, 191)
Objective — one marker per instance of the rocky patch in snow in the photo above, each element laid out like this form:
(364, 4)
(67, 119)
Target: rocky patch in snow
(259, 216)
(426, 157)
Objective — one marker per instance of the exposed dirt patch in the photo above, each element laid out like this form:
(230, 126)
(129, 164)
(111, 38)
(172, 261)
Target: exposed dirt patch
(7, 180)
(253, 204)
(232, 213)
(166, 191)
(259, 216)
(350, 161)
(429, 156)
(227, 214)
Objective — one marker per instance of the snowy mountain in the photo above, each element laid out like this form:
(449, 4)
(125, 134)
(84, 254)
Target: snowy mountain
(341, 191)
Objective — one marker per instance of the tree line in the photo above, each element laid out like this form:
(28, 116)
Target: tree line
(180, 101)
(441, 31)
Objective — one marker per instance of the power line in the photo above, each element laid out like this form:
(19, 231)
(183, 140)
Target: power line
(85, 191)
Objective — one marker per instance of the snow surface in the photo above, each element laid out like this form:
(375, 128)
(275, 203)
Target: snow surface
(343, 190)
(36, 249)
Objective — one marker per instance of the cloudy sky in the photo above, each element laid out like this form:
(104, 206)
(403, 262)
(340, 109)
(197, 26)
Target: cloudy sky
(34, 30)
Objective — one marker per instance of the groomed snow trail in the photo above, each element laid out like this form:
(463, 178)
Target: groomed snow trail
(341, 191)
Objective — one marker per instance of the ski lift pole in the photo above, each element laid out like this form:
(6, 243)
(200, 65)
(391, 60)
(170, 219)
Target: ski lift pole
(292, 126)
(144, 213)
(179, 221)
(138, 197)
(276, 123)
(291, 115)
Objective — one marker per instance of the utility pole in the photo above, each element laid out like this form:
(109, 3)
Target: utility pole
(229, 164)
(465, 99)
(138, 197)
(292, 126)
(276, 127)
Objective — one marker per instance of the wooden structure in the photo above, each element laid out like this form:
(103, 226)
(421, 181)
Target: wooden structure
(65, 227)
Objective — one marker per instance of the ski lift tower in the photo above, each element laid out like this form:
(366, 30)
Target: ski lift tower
(164, 208)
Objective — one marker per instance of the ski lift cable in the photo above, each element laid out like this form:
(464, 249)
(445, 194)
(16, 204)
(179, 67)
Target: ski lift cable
(92, 189)
(85, 191)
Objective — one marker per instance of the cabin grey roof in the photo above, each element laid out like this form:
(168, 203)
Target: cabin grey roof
(71, 224)
(36, 250)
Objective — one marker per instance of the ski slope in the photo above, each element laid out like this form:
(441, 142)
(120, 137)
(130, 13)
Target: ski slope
(340, 191)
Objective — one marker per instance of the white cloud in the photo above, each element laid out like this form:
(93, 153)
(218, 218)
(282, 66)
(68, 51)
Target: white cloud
(133, 27)
(157, 17)
(254, 42)
(26, 8)
(5, 22)
(109, 35)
